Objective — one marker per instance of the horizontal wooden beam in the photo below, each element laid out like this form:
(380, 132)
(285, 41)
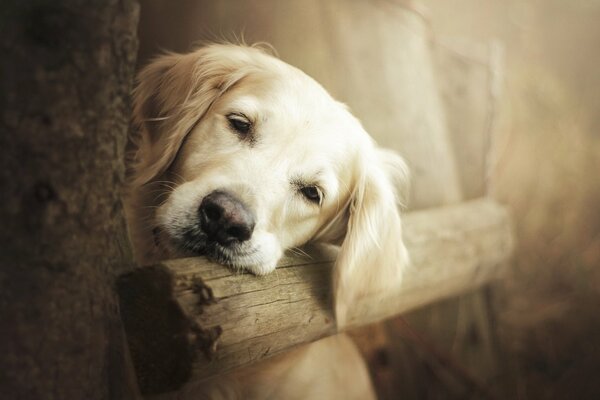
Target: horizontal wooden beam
(190, 319)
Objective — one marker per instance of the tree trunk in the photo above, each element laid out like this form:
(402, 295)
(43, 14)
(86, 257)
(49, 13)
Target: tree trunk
(65, 76)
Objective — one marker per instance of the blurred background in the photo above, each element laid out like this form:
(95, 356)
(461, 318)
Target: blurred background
(548, 173)
(518, 80)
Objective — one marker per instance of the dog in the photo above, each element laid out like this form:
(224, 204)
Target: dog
(239, 157)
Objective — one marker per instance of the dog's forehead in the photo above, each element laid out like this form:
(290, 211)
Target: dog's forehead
(318, 137)
(294, 103)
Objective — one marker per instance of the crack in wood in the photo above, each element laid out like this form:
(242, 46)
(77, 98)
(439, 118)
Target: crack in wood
(203, 292)
(206, 340)
(266, 289)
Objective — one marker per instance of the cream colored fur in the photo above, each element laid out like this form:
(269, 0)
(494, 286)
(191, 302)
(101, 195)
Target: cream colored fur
(186, 147)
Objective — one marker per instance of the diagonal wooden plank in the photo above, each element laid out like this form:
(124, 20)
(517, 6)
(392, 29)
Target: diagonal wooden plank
(189, 319)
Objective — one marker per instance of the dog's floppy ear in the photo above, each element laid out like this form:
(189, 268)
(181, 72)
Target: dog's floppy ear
(172, 94)
(372, 257)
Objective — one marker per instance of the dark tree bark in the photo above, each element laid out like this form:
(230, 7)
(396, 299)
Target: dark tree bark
(65, 74)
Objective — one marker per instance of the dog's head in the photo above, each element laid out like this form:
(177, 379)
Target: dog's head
(253, 157)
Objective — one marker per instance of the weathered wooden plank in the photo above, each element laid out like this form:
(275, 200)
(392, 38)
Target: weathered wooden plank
(216, 319)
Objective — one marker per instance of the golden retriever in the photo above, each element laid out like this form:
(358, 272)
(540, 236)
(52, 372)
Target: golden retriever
(239, 157)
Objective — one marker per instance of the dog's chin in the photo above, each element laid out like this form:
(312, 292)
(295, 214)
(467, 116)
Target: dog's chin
(237, 257)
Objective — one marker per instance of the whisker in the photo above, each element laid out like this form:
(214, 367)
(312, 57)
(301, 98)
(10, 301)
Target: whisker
(299, 252)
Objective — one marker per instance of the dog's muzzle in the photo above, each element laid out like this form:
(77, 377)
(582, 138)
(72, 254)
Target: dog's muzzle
(225, 219)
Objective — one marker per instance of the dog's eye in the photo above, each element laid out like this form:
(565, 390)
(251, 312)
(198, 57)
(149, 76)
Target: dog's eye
(312, 194)
(240, 123)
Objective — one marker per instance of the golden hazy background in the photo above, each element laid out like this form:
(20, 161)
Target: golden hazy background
(548, 173)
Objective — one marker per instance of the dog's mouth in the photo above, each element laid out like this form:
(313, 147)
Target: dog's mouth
(194, 242)
(231, 257)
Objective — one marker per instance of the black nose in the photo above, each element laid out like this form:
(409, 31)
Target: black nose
(225, 219)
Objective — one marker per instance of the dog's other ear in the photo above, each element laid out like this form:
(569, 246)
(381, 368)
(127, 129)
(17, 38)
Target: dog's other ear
(172, 94)
(372, 257)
